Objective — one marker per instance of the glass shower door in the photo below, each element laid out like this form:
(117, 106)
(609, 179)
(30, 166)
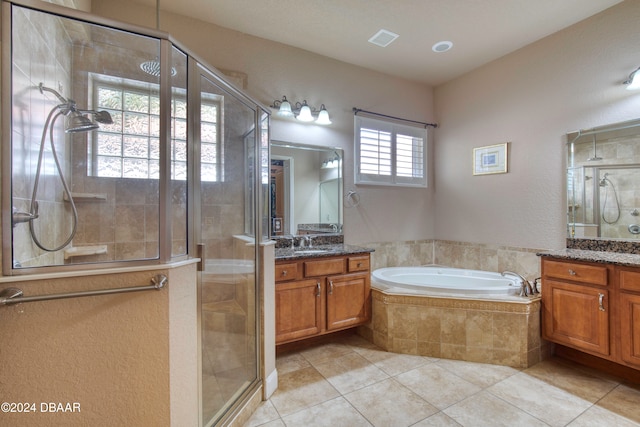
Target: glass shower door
(229, 353)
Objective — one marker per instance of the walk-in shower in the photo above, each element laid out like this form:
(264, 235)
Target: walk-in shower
(77, 121)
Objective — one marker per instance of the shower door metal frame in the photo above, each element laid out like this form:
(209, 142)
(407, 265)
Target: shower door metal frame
(196, 70)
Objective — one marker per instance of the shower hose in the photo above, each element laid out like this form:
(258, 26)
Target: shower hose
(33, 209)
(604, 205)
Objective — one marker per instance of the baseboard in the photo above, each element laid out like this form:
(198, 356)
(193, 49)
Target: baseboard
(270, 385)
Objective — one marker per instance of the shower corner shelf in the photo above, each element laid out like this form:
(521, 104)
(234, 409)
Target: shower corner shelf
(85, 251)
(85, 196)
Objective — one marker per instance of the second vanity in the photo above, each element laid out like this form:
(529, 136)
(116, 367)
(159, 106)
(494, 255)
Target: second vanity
(591, 303)
(320, 290)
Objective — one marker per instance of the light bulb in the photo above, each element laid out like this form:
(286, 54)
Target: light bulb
(285, 108)
(305, 113)
(323, 116)
(634, 81)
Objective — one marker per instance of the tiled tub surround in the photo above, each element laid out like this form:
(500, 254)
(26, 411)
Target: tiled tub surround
(502, 332)
(487, 331)
(471, 256)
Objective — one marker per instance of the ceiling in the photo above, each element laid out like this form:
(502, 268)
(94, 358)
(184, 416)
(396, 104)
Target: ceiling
(481, 30)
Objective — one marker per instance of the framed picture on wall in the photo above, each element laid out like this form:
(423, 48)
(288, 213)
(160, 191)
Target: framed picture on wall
(490, 159)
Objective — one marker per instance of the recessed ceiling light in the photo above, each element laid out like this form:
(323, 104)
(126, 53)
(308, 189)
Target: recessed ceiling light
(442, 46)
(383, 38)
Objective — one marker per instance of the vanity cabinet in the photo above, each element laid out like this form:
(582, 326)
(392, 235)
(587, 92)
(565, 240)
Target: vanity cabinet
(592, 307)
(575, 303)
(630, 316)
(315, 296)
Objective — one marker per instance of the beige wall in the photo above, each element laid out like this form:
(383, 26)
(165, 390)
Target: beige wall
(275, 70)
(531, 98)
(126, 359)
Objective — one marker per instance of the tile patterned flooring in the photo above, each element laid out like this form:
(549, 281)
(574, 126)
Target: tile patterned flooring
(350, 382)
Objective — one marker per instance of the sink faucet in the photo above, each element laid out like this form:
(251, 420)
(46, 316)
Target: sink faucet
(525, 287)
(304, 241)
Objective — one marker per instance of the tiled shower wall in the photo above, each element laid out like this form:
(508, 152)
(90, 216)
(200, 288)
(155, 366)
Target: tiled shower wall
(473, 256)
(41, 53)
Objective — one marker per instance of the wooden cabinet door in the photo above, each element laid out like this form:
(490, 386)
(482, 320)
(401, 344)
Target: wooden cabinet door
(630, 328)
(577, 316)
(348, 300)
(298, 310)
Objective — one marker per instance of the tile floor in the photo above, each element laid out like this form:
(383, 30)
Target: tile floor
(350, 382)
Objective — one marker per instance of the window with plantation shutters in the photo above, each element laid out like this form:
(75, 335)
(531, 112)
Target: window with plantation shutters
(388, 153)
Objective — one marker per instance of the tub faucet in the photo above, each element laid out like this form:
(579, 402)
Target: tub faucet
(525, 287)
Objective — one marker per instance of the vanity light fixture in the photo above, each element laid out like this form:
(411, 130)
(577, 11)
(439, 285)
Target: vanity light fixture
(633, 82)
(302, 111)
(331, 163)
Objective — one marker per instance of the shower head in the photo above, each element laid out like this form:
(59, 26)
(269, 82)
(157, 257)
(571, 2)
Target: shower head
(103, 117)
(77, 122)
(153, 68)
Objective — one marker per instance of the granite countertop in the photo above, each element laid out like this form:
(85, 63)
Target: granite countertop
(319, 251)
(607, 257)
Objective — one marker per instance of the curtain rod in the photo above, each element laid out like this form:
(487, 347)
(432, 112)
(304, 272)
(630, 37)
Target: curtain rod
(425, 124)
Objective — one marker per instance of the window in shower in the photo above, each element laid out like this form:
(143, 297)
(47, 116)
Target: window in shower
(388, 153)
(130, 147)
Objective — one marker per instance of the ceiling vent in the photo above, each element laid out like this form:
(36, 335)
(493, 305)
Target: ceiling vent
(383, 38)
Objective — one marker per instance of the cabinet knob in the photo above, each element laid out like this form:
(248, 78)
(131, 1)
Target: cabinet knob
(284, 272)
(359, 264)
(601, 302)
(571, 272)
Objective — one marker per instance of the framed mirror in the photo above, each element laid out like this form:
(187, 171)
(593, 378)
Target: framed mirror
(306, 188)
(603, 173)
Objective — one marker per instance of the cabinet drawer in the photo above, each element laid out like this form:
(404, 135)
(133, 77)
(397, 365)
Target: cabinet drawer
(584, 273)
(630, 280)
(322, 267)
(286, 272)
(358, 263)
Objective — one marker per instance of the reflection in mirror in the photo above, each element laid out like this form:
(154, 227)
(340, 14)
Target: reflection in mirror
(603, 172)
(306, 189)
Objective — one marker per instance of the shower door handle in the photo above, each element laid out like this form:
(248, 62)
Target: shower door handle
(200, 247)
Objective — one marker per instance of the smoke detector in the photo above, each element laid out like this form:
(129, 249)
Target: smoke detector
(383, 38)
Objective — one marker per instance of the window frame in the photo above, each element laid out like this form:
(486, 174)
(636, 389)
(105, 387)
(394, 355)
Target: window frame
(393, 128)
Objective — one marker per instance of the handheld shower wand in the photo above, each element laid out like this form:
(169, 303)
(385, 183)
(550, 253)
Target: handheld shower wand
(77, 122)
